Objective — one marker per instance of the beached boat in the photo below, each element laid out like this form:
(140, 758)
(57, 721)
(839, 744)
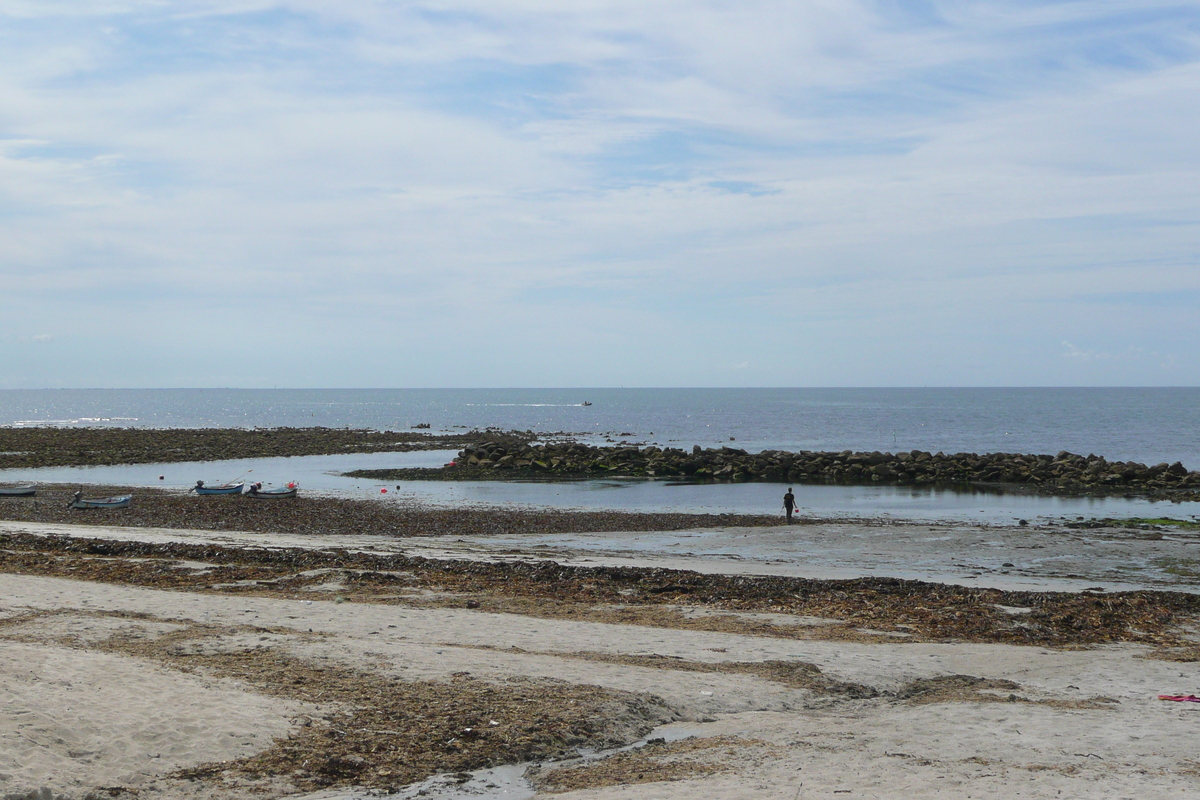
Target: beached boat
(119, 501)
(28, 490)
(282, 493)
(224, 488)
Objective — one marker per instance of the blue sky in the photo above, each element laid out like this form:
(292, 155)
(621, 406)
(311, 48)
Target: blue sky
(310, 194)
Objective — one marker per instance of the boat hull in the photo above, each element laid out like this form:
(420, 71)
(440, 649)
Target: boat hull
(18, 491)
(229, 488)
(272, 494)
(102, 502)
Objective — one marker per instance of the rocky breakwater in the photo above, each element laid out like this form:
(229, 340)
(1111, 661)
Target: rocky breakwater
(1064, 473)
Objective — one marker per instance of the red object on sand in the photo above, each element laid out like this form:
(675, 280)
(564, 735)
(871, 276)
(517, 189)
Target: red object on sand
(1180, 698)
(383, 491)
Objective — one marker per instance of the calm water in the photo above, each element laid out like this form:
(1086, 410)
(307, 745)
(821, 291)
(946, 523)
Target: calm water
(321, 474)
(1147, 425)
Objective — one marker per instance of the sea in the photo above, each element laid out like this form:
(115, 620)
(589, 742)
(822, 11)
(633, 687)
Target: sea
(1147, 425)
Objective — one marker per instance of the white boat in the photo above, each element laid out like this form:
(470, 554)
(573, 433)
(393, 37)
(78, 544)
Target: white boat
(119, 501)
(29, 490)
(282, 493)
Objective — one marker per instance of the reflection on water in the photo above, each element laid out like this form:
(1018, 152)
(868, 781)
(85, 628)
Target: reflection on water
(823, 501)
(313, 473)
(323, 474)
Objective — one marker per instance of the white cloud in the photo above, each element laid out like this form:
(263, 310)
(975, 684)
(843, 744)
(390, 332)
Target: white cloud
(525, 166)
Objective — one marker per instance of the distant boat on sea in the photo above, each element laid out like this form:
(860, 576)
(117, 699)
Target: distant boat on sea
(119, 501)
(224, 488)
(28, 490)
(586, 403)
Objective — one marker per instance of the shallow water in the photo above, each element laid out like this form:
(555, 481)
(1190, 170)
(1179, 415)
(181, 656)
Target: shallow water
(322, 474)
(498, 783)
(1034, 558)
(313, 473)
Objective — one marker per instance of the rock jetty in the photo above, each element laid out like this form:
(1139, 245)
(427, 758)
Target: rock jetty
(1064, 473)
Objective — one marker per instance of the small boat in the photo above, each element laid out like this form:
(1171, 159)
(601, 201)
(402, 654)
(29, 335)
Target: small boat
(119, 501)
(282, 493)
(28, 490)
(586, 403)
(224, 488)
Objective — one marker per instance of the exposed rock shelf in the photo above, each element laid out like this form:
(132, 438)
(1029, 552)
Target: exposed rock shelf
(29, 448)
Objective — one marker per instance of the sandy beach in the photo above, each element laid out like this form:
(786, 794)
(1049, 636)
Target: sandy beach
(175, 663)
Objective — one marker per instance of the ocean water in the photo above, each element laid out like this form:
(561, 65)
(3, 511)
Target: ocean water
(1149, 425)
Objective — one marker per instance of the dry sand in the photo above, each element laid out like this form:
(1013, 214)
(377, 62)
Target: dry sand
(112, 690)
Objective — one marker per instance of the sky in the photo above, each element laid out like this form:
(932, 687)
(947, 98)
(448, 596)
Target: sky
(461, 193)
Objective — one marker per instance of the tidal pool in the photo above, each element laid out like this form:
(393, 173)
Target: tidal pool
(322, 475)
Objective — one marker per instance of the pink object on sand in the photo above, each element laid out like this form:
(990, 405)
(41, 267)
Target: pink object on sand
(1180, 698)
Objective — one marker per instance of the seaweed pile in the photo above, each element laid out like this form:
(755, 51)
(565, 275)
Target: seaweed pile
(914, 610)
(362, 727)
(388, 732)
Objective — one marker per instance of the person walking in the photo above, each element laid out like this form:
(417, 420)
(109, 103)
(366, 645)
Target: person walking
(789, 504)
